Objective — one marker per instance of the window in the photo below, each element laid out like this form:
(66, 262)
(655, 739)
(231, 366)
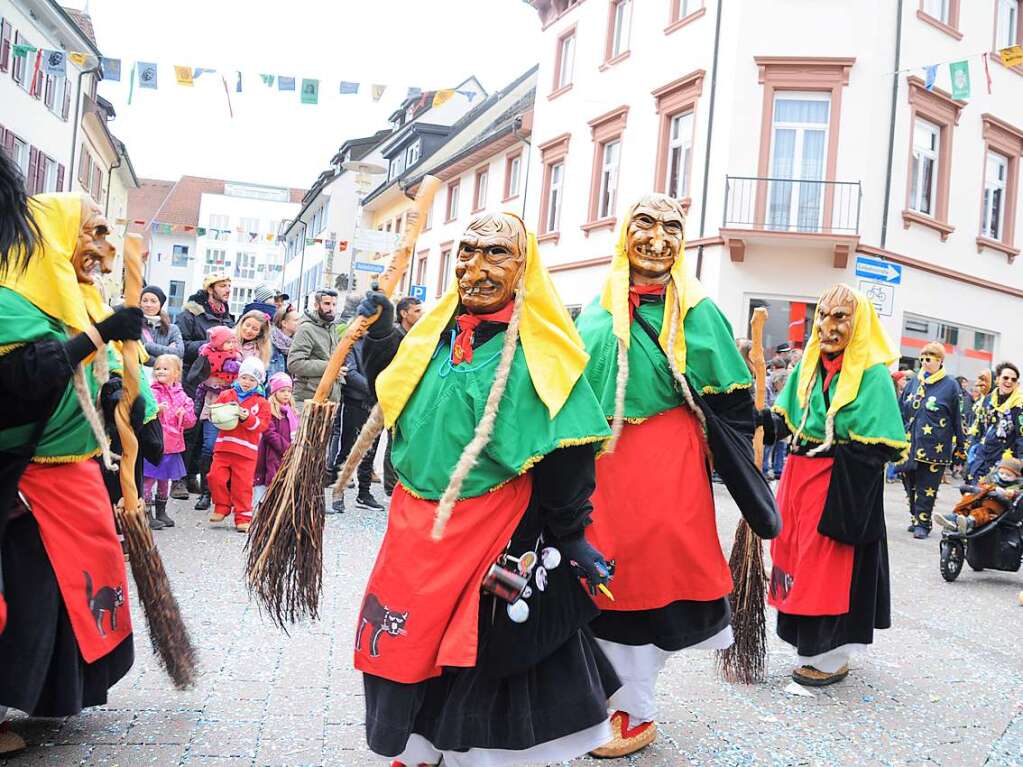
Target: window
(5, 44)
(1007, 31)
(937, 9)
(180, 256)
(451, 209)
(479, 197)
(607, 132)
(245, 266)
(934, 115)
(19, 152)
(249, 229)
(239, 298)
(219, 222)
(512, 171)
(552, 154)
(445, 265)
(421, 267)
(995, 176)
(175, 297)
(412, 154)
(620, 29)
(215, 258)
(680, 151)
(1003, 146)
(798, 152)
(19, 63)
(564, 61)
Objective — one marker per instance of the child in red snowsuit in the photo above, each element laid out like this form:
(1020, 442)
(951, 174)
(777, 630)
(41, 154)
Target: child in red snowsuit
(235, 451)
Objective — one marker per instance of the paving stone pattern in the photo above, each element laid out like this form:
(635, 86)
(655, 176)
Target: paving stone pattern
(942, 687)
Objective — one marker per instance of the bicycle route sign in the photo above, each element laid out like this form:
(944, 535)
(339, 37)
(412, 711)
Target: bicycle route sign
(881, 295)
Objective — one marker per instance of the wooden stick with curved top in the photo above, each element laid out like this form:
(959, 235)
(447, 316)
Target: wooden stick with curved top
(756, 357)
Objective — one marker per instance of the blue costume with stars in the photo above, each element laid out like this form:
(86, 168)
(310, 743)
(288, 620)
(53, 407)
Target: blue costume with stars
(1004, 433)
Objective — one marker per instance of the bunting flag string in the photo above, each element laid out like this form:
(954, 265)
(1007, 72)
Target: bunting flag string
(225, 235)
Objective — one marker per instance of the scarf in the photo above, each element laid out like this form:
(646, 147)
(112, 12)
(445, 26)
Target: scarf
(636, 291)
(216, 307)
(832, 367)
(280, 340)
(467, 324)
(934, 378)
(244, 395)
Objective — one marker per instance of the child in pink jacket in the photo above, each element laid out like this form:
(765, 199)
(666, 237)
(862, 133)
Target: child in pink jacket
(177, 413)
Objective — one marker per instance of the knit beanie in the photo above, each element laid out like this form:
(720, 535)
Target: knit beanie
(218, 335)
(264, 294)
(1012, 466)
(280, 381)
(254, 367)
(160, 295)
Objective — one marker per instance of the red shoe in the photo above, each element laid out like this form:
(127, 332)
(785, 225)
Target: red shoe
(626, 740)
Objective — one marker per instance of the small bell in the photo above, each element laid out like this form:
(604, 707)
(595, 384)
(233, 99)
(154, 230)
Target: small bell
(518, 611)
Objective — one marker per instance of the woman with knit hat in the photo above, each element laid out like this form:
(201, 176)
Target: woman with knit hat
(830, 579)
(159, 335)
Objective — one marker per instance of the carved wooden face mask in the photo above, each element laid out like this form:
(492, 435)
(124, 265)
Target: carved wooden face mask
(491, 257)
(655, 237)
(835, 314)
(93, 254)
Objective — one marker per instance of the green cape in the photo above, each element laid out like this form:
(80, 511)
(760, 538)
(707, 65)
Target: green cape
(713, 364)
(67, 436)
(873, 418)
(441, 417)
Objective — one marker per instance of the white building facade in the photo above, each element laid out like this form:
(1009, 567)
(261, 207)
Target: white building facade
(801, 149)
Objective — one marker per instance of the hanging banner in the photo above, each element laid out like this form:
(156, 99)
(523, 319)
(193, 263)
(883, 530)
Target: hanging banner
(77, 58)
(21, 50)
(147, 74)
(348, 88)
(413, 93)
(111, 69)
(930, 75)
(238, 82)
(56, 63)
(960, 74)
(1011, 56)
(199, 71)
(310, 91)
(184, 76)
(285, 83)
(268, 80)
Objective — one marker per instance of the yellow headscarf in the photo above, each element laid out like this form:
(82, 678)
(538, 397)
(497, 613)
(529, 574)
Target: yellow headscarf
(615, 297)
(869, 346)
(554, 351)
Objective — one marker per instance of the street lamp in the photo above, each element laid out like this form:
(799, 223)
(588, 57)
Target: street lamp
(364, 173)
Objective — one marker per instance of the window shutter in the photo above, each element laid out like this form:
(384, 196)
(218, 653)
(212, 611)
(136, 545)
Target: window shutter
(67, 98)
(60, 178)
(9, 143)
(33, 166)
(5, 45)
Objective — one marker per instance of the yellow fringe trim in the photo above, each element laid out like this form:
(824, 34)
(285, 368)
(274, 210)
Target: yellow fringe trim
(65, 458)
(7, 348)
(792, 426)
(726, 390)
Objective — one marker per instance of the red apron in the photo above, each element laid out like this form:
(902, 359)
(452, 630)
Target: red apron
(653, 513)
(811, 573)
(76, 523)
(421, 608)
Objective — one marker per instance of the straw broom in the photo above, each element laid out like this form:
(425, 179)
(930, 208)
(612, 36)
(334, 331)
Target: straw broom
(284, 569)
(167, 631)
(746, 660)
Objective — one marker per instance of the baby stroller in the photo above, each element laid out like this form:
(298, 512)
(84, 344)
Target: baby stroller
(997, 545)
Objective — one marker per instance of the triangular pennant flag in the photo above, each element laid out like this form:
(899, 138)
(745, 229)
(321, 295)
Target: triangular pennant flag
(147, 74)
(347, 87)
(21, 50)
(440, 98)
(200, 231)
(378, 92)
(184, 76)
(56, 63)
(285, 83)
(310, 91)
(930, 74)
(77, 58)
(959, 71)
(268, 80)
(238, 82)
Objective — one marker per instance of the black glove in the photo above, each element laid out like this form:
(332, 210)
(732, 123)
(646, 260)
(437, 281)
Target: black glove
(110, 395)
(765, 419)
(125, 324)
(369, 305)
(587, 563)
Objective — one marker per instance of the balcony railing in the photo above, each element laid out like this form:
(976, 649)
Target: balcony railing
(792, 205)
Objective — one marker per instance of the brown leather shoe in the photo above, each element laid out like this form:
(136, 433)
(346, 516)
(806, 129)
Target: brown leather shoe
(808, 676)
(10, 741)
(625, 740)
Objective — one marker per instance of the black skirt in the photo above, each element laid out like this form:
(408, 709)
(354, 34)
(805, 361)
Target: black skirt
(673, 627)
(461, 709)
(42, 671)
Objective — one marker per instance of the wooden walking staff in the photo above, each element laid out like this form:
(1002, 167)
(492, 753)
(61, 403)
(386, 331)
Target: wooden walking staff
(746, 660)
(167, 631)
(284, 568)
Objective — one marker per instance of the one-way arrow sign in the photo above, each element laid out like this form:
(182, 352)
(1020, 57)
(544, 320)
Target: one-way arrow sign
(879, 270)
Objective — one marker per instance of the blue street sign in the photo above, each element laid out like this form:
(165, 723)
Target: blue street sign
(418, 292)
(363, 266)
(879, 270)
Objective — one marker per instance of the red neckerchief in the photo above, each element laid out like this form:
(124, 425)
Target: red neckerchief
(831, 368)
(467, 324)
(635, 291)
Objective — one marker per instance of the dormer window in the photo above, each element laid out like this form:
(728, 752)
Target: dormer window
(412, 154)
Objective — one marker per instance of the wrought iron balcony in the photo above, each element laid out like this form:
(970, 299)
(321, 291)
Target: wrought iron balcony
(792, 205)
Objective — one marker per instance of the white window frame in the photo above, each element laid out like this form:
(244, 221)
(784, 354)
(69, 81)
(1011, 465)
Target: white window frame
(938, 9)
(412, 154)
(797, 150)
(21, 155)
(50, 178)
(482, 178)
(566, 60)
(245, 265)
(554, 196)
(610, 160)
(1007, 33)
(514, 171)
(990, 228)
(214, 260)
(921, 156)
(219, 221)
(175, 257)
(452, 202)
(680, 148)
(621, 27)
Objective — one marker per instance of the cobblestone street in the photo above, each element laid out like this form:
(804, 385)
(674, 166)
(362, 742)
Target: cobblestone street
(942, 687)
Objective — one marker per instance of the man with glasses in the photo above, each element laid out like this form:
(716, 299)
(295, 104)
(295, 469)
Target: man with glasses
(933, 415)
(1003, 412)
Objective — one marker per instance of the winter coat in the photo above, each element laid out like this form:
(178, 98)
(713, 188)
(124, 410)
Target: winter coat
(356, 386)
(159, 341)
(194, 319)
(268, 309)
(314, 342)
(172, 398)
(243, 439)
(272, 447)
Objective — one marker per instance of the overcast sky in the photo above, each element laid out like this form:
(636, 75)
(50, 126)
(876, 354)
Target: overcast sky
(274, 139)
